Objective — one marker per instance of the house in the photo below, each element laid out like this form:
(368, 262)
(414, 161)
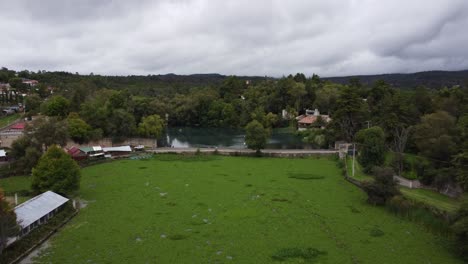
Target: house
(5, 86)
(38, 210)
(30, 83)
(93, 152)
(77, 154)
(117, 151)
(312, 119)
(139, 148)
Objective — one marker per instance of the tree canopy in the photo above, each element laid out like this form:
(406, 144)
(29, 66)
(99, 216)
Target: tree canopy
(371, 147)
(256, 135)
(151, 126)
(8, 225)
(56, 171)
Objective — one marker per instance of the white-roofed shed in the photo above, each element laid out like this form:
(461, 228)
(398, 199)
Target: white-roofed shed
(97, 148)
(118, 149)
(38, 209)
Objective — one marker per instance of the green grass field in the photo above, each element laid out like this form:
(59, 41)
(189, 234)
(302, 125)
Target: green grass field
(212, 209)
(6, 120)
(433, 198)
(429, 197)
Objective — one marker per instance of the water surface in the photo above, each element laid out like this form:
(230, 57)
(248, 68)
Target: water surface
(193, 137)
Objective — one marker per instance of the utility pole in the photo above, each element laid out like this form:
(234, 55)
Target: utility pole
(354, 156)
(368, 124)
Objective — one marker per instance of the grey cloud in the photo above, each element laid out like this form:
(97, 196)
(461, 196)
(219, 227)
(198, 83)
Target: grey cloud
(264, 37)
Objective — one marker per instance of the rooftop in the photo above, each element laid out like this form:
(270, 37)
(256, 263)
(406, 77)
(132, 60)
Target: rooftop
(37, 207)
(121, 148)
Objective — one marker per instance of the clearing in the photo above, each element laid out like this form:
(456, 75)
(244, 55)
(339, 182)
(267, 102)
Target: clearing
(213, 209)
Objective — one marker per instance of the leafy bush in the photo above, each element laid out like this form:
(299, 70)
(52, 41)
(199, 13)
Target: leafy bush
(460, 229)
(382, 188)
(371, 147)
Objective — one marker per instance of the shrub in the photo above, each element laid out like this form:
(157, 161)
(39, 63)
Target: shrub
(460, 229)
(382, 188)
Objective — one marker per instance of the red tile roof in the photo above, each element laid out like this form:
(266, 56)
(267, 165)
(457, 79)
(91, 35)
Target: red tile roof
(74, 151)
(310, 119)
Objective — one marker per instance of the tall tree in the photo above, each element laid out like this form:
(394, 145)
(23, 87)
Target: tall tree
(8, 225)
(151, 126)
(78, 130)
(256, 135)
(121, 125)
(371, 147)
(47, 131)
(436, 136)
(57, 106)
(56, 171)
(349, 115)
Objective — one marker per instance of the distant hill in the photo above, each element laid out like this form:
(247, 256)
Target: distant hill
(430, 79)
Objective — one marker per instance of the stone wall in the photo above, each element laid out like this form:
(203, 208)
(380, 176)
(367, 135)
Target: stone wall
(107, 142)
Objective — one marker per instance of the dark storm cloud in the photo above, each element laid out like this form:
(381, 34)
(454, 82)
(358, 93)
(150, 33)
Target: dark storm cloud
(260, 37)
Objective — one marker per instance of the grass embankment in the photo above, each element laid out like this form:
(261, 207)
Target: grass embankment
(359, 174)
(429, 197)
(433, 198)
(213, 209)
(6, 120)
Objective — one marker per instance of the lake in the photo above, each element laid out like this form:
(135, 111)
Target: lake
(193, 137)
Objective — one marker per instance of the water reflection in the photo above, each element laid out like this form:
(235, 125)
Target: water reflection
(185, 137)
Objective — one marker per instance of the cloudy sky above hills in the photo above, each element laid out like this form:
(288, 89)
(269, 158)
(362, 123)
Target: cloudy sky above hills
(255, 37)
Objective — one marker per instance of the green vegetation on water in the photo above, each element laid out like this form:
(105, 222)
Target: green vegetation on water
(212, 209)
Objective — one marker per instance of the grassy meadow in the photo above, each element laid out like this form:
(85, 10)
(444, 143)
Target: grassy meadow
(6, 120)
(213, 209)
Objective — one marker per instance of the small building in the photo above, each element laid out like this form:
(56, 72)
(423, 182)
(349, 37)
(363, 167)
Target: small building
(139, 148)
(117, 151)
(3, 155)
(5, 86)
(77, 154)
(38, 210)
(93, 152)
(312, 119)
(30, 83)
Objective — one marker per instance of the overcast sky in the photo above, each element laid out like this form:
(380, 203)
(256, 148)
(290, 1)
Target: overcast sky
(242, 37)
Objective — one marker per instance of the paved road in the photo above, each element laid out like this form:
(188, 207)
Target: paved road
(247, 151)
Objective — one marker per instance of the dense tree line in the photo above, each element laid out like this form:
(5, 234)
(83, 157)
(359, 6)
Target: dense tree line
(430, 123)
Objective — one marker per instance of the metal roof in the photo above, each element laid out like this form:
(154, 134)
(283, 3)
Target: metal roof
(89, 149)
(121, 148)
(37, 207)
